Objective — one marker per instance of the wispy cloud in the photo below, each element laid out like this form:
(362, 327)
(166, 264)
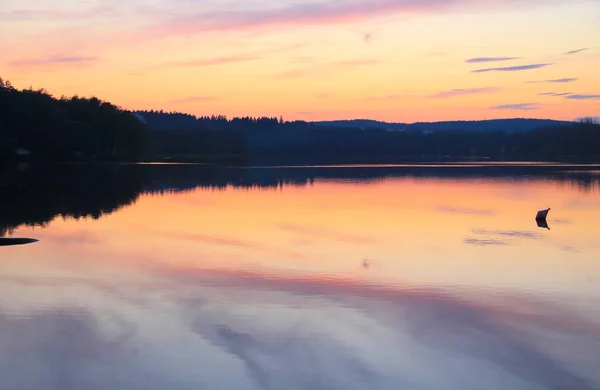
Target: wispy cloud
(192, 99)
(358, 62)
(41, 15)
(142, 21)
(583, 97)
(213, 61)
(518, 106)
(576, 51)
(313, 13)
(19, 15)
(301, 60)
(290, 14)
(554, 93)
(383, 98)
(434, 54)
(321, 69)
(323, 233)
(511, 68)
(490, 59)
(557, 81)
(464, 91)
(75, 11)
(227, 59)
(54, 61)
(500, 237)
(232, 243)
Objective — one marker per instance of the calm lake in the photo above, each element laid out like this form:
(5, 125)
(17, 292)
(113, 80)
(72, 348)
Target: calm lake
(390, 277)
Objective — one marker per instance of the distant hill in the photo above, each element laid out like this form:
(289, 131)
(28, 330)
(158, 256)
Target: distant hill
(182, 136)
(507, 125)
(171, 121)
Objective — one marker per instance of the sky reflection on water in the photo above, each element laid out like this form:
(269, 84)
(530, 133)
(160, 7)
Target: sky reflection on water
(268, 289)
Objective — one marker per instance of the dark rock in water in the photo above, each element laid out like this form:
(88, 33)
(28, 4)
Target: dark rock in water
(542, 224)
(542, 214)
(16, 241)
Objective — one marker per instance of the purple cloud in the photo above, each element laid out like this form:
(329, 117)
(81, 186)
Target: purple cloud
(298, 14)
(466, 91)
(54, 60)
(99, 10)
(484, 242)
(511, 68)
(583, 97)
(558, 81)
(554, 93)
(490, 59)
(519, 106)
(325, 12)
(368, 37)
(576, 51)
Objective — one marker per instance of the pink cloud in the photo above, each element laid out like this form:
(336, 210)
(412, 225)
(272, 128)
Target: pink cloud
(137, 22)
(327, 12)
(227, 59)
(321, 69)
(53, 61)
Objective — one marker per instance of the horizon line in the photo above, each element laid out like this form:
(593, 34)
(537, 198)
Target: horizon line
(371, 120)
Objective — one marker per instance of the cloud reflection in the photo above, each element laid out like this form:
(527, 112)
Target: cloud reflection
(509, 233)
(60, 349)
(302, 333)
(484, 242)
(320, 232)
(464, 210)
(508, 336)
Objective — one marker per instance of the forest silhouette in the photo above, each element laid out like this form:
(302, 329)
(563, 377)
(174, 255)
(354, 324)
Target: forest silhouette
(36, 126)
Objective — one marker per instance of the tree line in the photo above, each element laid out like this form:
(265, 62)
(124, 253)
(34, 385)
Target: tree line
(269, 140)
(65, 129)
(34, 122)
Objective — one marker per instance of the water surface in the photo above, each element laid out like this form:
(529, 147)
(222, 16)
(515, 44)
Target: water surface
(411, 277)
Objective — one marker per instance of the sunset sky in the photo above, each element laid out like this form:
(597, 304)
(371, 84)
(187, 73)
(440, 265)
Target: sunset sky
(393, 60)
